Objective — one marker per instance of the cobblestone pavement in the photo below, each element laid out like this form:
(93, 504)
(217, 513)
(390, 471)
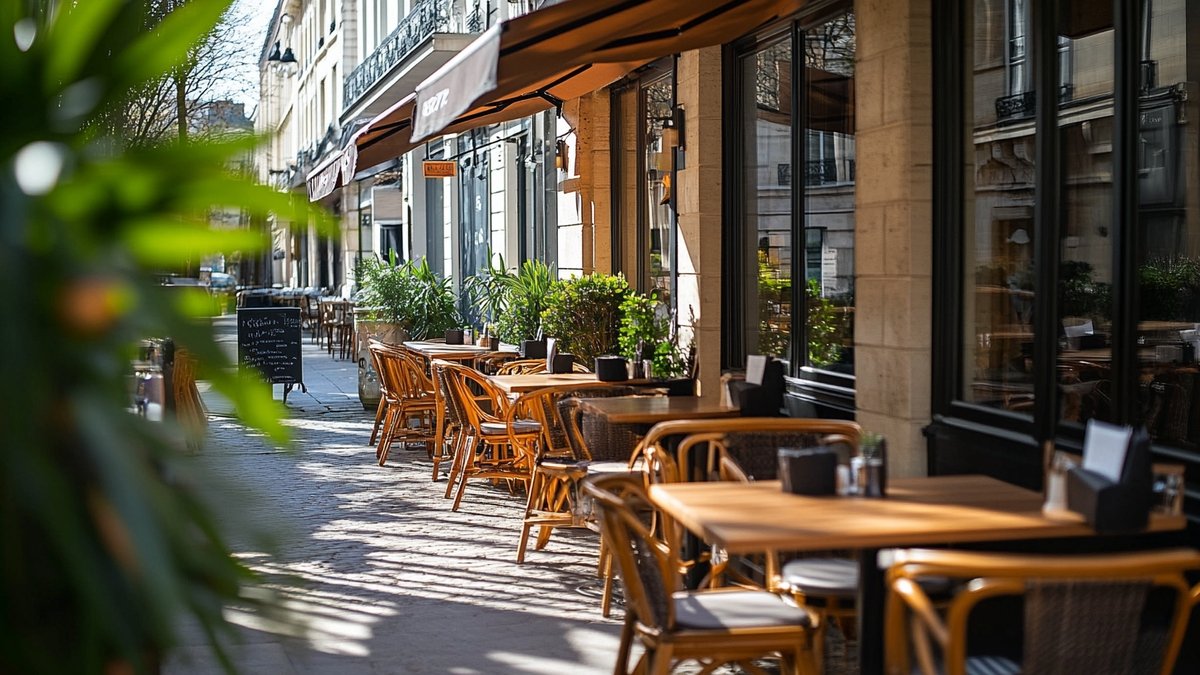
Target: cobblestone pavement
(390, 580)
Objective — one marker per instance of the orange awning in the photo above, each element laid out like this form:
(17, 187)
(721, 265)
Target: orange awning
(538, 60)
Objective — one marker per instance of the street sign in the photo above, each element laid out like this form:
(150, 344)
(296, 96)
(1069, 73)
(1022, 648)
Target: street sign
(434, 169)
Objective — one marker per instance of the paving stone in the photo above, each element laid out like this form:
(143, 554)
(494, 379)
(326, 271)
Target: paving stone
(387, 578)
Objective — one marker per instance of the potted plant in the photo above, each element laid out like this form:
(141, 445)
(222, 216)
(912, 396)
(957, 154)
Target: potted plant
(646, 323)
(398, 303)
(526, 293)
(485, 295)
(584, 314)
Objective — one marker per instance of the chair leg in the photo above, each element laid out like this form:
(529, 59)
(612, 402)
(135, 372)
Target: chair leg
(389, 432)
(457, 467)
(606, 572)
(660, 663)
(535, 487)
(622, 667)
(378, 419)
(462, 480)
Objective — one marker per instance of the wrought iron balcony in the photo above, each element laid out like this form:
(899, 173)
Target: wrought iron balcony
(425, 19)
(1025, 103)
(825, 171)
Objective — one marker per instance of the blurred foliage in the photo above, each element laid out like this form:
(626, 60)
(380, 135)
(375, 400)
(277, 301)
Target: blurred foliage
(110, 537)
(411, 295)
(584, 314)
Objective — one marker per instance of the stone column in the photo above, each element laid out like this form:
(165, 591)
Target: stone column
(893, 247)
(699, 200)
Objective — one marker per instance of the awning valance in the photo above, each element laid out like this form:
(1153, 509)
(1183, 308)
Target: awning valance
(538, 60)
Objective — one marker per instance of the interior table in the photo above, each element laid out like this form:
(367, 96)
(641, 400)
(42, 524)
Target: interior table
(756, 517)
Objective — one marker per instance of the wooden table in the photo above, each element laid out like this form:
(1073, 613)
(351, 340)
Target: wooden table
(756, 517)
(520, 384)
(441, 350)
(648, 411)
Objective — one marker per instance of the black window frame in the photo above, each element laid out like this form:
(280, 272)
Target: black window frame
(832, 393)
(1002, 443)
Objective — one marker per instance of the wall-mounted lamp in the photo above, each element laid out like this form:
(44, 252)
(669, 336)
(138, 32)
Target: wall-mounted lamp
(560, 155)
(275, 56)
(1019, 237)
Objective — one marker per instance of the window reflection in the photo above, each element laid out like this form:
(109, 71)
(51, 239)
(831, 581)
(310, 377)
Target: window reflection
(820, 276)
(1168, 229)
(659, 142)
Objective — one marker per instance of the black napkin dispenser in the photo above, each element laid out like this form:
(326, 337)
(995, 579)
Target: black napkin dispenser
(1113, 507)
(612, 368)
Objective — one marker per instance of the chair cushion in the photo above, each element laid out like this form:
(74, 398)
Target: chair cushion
(822, 576)
(717, 610)
(981, 665)
(518, 427)
(608, 468)
(838, 577)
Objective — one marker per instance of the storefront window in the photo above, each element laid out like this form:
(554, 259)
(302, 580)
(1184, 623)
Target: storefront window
(796, 172)
(658, 144)
(1168, 227)
(1127, 361)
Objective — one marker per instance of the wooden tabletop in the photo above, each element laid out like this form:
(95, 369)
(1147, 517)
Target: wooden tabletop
(441, 350)
(746, 518)
(652, 410)
(520, 384)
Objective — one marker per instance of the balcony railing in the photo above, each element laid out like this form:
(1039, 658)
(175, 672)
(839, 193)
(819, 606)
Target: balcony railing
(825, 171)
(425, 19)
(1025, 103)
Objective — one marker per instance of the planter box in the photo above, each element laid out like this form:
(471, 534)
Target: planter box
(364, 330)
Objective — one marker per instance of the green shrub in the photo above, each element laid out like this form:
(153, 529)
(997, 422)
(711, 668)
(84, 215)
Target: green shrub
(1170, 289)
(646, 321)
(584, 314)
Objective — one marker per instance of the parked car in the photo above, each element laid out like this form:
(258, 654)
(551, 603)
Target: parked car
(222, 282)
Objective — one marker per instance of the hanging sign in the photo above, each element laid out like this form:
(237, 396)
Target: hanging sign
(433, 169)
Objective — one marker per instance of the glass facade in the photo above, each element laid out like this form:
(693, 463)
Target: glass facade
(1120, 240)
(798, 303)
(659, 139)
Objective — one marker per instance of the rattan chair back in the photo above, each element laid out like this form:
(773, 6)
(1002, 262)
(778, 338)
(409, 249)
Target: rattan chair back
(1110, 613)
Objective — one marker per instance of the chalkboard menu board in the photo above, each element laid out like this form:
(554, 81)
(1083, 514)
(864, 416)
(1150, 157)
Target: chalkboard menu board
(269, 342)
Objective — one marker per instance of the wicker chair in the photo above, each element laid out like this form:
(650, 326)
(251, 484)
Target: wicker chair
(712, 627)
(1111, 613)
(496, 444)
(561, 458)
(522, 367)
(189, 408)
(492, 362)
(450, 423)
(407, 398)
(745, 449)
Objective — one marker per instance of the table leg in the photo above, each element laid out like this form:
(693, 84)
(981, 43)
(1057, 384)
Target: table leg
(870, 612)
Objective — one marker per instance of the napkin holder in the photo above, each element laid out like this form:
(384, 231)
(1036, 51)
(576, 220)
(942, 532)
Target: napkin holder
(1118, 506)
(760, 399)
(612, 369)
(562, 363)
(808, 471)
(533, 349)
(454, 336)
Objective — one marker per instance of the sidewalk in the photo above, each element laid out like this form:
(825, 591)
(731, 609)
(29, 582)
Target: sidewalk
(392, 580)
